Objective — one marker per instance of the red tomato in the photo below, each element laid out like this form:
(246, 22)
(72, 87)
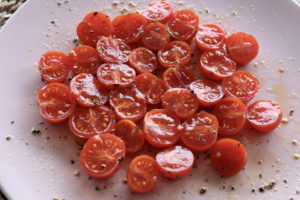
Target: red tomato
(142, 174)
(88, 91)
(200, 131)
(84, 59)
(158, 11)
(142, 60)
(175, 162)
(210, 36)
(129, 27)
(264, 116)
(215, 65)
(131, 134)
(113, 50)
(183, 25)
(151, 87)
(241, 47)
(94, 25)
(209, 93)
(56, 102)
(102, 155)
(156, 36)
(231, 114)
(179, 77)
(54, 66)
(87, 122)
(174, 54)
(181, 101)
(228, 156)
(114, 76)
(242, 85)
(128, 103)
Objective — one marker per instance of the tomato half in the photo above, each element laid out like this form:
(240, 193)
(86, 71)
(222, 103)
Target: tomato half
(142, 60)
(228, 156)
(231, 114)
(161, 127)
(158, 11)
(102, 155)
(179, 77)
(56, 102)
(175, 162)
(142, 174)
(264, 116)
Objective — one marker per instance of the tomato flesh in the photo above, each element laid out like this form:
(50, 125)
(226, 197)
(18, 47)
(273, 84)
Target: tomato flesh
(179, 77)
(143, 60)
(158, 11)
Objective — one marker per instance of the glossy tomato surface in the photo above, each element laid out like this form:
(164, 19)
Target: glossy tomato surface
(158, 11)
(142, 60)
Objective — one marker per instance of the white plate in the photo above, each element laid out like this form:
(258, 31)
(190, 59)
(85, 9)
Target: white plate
(32, 167)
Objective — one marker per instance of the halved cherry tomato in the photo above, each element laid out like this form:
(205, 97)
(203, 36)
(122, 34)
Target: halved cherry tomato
(161, 127)
(241, 47)
(174, 54)
(210, 36)
(209, 93)
(87, 90)
(84, 59)
(179, 77)
(200, 131)
(102, 155)
(87, 122)
(113, 50)
(156, 36)
(128, 103)
(143, 60)
(94, 25)
(158, 11)
(114, 76)
(131, 134)
(54, 66)
(129, 27)
(181, 101)
(56, 102)
(231, 114)
(228, 156)
(175, 162)
(215, 65)
(142, 174)
(264, 116)
(151, 87)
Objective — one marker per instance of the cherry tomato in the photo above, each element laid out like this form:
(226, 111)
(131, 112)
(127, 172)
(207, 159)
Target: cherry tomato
(87, 122)
(142, 174)
(151, 87)
(88, 91)
(228, 156)
(209, 93)
(113, 50)
(241, 47)
(56, 102)
(131, 134)
(54, 66)
(231, 114)
(158, 11)
(174, 54)
(129, 27)
(128, 103)
(142, 60)
(94, 25)
(179, 77)
(114, 76)
(242, 85)
(84, 59)
(175, 162)
(210, 36)
(156, 36)
(102, 155)
(200, 131)
(264, 116)
(181, 101)
(215, 65)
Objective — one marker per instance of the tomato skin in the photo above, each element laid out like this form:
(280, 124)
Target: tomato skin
(228, 156)
(241, 47)
(142, 60)
(264, 116)
(158, 11)
(178, 77)
(99, 158)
